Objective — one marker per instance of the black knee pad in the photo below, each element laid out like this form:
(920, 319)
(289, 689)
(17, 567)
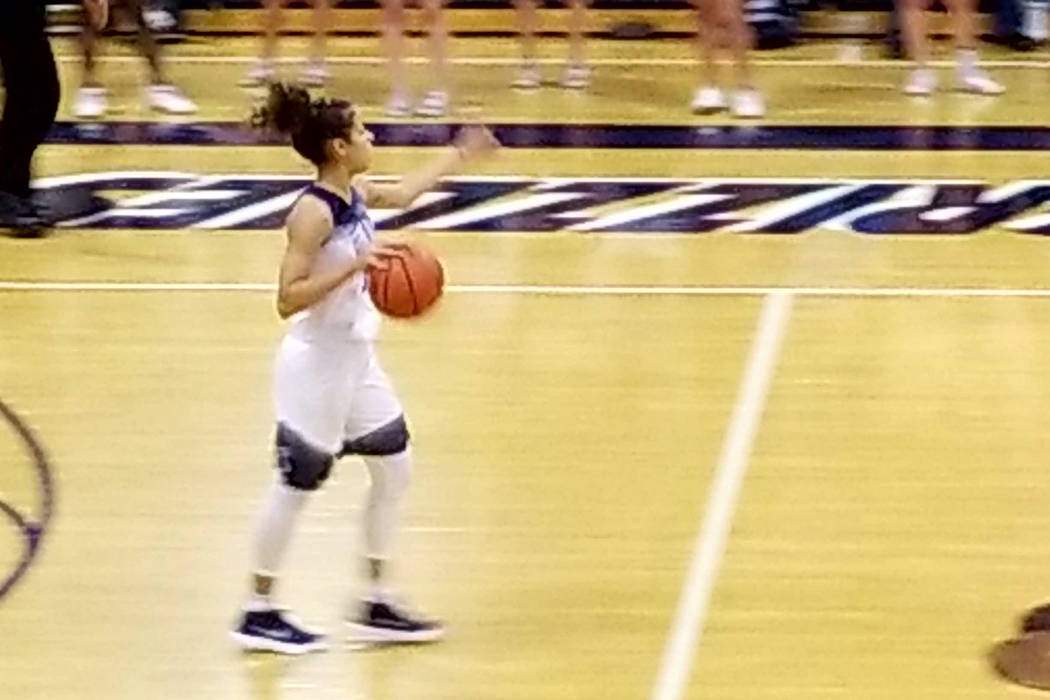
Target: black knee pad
(303, 466)
(391, 439)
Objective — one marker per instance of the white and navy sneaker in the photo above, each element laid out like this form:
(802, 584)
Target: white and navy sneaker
(277, 631)
(381, 622)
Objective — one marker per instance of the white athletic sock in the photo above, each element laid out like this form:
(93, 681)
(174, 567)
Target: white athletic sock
(258, 603)
(390, 478)
(279, 513)
(378, 592)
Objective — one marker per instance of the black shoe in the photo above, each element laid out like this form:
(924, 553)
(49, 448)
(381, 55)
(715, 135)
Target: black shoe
(21, 216)
(277, 631)
(381, 622)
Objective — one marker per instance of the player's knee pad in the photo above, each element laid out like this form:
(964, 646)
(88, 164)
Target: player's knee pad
(390, 439)
(302, 465)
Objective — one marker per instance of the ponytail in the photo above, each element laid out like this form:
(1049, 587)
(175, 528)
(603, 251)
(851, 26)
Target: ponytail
(289, 110)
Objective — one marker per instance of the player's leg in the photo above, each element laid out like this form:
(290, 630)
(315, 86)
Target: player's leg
(746, 101)
(528, 22)
(971, 77)
(378, 434)
(264, 69)
(921, 80)
(311, 405)
(709, 97)
(91, 100)
(31, 83)
(400, 103)
(435, 102)
(577, 75)
(161, 94)
(316, 73)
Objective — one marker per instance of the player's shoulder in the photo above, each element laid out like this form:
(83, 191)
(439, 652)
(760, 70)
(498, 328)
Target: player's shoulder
(310, 206)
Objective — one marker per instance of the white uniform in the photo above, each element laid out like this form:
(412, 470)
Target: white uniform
(328, 386)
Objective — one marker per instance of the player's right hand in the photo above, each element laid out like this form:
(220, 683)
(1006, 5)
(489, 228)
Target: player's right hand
(378, 256)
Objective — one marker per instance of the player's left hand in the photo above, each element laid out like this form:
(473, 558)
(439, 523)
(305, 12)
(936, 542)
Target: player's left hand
(475, 141)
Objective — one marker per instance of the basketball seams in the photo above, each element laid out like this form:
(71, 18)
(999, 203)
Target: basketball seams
(418, 274)
(411, 285)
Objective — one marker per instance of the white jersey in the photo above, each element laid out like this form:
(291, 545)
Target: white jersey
(346, 312)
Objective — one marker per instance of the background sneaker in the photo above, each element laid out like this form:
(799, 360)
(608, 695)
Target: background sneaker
(748, 104)
(434, 104)
(528, 78)
(169, 99)
(381, 622)
(921, 82)
(316, 74)
(576, 77)
(277, 631)
(979, 83)
(260, 74)
(90, 103)
(708, 100)
(398, 107)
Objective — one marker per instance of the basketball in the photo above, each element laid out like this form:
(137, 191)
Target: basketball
(410, 285)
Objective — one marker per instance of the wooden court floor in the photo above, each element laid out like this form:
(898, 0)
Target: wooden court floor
(816, 460)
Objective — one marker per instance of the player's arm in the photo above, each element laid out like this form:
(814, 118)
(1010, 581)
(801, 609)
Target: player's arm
(471, 143)
(309, 226)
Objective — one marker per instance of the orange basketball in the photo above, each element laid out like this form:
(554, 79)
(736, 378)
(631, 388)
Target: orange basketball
(410, 285)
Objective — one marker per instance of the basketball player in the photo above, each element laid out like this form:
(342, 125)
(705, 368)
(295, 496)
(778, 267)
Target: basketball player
(577, 76)
(435, 101)
(721, 26)
(91, 100)
(316, 72)
(923, 81)
(31, 85)
(332, 399)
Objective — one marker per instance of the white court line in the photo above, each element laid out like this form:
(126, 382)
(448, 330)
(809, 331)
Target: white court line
(688, 626)
(546, 290)
(1043, 62)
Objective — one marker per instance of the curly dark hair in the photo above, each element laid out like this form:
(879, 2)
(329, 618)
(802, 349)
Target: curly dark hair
(289, 109)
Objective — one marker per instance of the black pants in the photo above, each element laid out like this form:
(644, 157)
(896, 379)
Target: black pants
(31, 83)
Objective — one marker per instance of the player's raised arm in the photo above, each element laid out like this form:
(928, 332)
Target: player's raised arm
(471, 143)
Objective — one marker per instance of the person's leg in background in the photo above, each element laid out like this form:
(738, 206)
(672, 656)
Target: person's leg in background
(263, 71)
(435, 102)
(161, 94)
(31, 85)
(577, 75)
(528, 77)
